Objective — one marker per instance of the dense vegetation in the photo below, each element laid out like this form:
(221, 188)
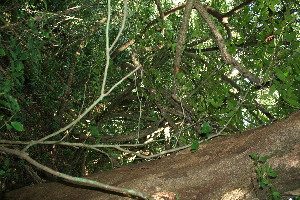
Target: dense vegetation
(199, 70)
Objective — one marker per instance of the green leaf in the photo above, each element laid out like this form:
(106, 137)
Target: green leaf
(216, 103)
(24, 56)
(19, 66)
(261, 185)
(195, 146)
(263, 159)
(272, 89)
(2, 172)
(183, 139)
(292, 101)
(268, 167)
(290, 36)
(173, 47)
(266, 181)
(206, 128)
(8, 126)
(2, 52)
(260, 170)
(18, 126)
(94, 131)
(280, 74)
(254, 156)
(276, 195)
(273, 174)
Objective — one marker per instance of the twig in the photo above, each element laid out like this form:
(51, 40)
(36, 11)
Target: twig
(122, 26)
(84, 181)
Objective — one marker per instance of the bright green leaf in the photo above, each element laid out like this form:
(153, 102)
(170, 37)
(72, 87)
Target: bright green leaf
(262, 185)
(263, 159)
(195, 146)
(266, 181)
(273, 174)
(206, 128)
(183, 139)
(253, 156)
(18, 126)
(280, 74)
(276, 195)
(292, 101)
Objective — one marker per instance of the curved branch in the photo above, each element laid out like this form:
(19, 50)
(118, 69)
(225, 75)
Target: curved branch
(222, 46)
(238, 8)
(84, 181)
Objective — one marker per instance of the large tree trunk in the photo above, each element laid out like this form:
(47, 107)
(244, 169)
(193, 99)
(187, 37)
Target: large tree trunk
(220, 169)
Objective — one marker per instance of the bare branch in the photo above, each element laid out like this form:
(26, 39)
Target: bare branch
(182, 35)
(83, 181)
(222, 46)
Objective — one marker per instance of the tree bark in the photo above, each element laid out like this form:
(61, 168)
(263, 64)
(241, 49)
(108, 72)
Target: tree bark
(220, 169)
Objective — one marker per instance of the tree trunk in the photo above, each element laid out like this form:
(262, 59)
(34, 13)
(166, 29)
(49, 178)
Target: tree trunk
(220, 169)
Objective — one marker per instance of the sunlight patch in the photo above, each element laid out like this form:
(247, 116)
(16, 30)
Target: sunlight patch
(235, 194)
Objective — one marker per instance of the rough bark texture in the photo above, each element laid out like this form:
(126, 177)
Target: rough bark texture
(220, 169)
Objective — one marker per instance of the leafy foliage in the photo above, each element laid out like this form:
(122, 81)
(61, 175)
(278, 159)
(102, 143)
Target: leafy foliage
(265, 173)
(52, 63)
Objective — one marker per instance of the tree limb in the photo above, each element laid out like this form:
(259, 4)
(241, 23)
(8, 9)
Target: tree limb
(227, 57)
(182, 35)
(83, 181)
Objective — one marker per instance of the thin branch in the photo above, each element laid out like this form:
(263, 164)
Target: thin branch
(84, 181)
(122, 26)
(155, 21)
(238, 8)
(107, 47)
(198, 58)
(102, 95)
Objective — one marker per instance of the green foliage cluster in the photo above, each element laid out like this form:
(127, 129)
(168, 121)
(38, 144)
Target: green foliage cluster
(265, 173)
(52, 60)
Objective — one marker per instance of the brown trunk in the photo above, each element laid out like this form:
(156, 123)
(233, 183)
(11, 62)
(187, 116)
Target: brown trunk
(220, 169)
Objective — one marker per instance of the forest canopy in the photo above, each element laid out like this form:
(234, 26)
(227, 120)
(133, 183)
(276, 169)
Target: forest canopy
(87, 86)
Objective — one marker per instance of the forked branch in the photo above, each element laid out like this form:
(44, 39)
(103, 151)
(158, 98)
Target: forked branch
(227, 57)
